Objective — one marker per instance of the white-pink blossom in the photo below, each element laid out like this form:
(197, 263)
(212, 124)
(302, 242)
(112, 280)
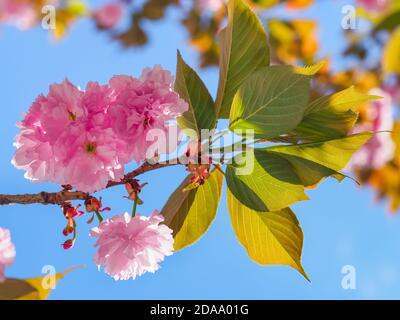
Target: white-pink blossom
(380, 148)
(374, 5)
(7, 251)
(21, 13)
(211, 5)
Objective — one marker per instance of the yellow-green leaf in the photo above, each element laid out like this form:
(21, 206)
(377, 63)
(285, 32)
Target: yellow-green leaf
(391, 54)
(264, 3)
(325, 124)
(271, 185)
(272, 102)
(77, 8)
(332, 116)
(189, 214)
(30, 289)
(342, 101)
(201, 112)
(244, 50)
(12, 289)
(270, 238)
(309, 70)
(333, 154)
(388, 22)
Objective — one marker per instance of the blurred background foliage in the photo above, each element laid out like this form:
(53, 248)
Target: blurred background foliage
(371, 56)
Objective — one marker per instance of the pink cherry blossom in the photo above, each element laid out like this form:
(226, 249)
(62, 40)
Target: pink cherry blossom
(211, 5)
(142, 105)
(66, 138)
(7, 251)
(380, 148)
(61, 109)
(34, 150)
(84, 138)
(109, 15)
(394, 91)
(130, 247)
(88, 158)
(374, 5)
(19, 12)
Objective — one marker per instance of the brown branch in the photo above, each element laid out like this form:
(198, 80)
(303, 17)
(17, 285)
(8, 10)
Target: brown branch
(61, 197)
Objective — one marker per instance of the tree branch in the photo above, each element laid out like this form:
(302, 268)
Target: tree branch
(61, 197)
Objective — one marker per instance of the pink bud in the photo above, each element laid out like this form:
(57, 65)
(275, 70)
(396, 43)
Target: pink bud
(68, 244)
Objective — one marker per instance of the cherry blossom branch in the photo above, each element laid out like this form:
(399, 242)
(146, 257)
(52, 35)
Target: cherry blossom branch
(59, 198)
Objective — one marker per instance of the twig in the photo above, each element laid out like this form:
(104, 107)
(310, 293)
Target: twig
(63, 196)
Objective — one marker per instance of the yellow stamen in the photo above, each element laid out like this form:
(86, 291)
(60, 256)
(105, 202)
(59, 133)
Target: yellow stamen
(71, 116)
(90, 148)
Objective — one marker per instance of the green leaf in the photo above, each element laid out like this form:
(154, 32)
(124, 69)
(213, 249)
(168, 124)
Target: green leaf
(310, 173)
(332, 116)
(244, 50)
(265, 3)
(189, 214)
(201, 113)
(388, 23)
(270, 238)
(29, 289)
(325, 124)
(271, 186)
(333, 154)
(272, 102)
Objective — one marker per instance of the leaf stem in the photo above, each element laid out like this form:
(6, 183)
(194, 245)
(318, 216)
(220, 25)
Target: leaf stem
(135, 203)
(99, 217)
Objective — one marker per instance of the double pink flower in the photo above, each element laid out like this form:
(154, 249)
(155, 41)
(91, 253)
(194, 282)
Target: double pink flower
(129, 247)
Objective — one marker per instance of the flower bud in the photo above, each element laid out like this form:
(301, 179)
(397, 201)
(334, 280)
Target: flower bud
(92, 204)
(68, 244)
(133, 188)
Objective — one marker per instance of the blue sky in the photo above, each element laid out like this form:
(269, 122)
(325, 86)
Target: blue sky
(342, 224)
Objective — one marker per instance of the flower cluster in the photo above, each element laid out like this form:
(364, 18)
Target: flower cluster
(84, 138)
(128, 247)
(7, 251)
(380, 148)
